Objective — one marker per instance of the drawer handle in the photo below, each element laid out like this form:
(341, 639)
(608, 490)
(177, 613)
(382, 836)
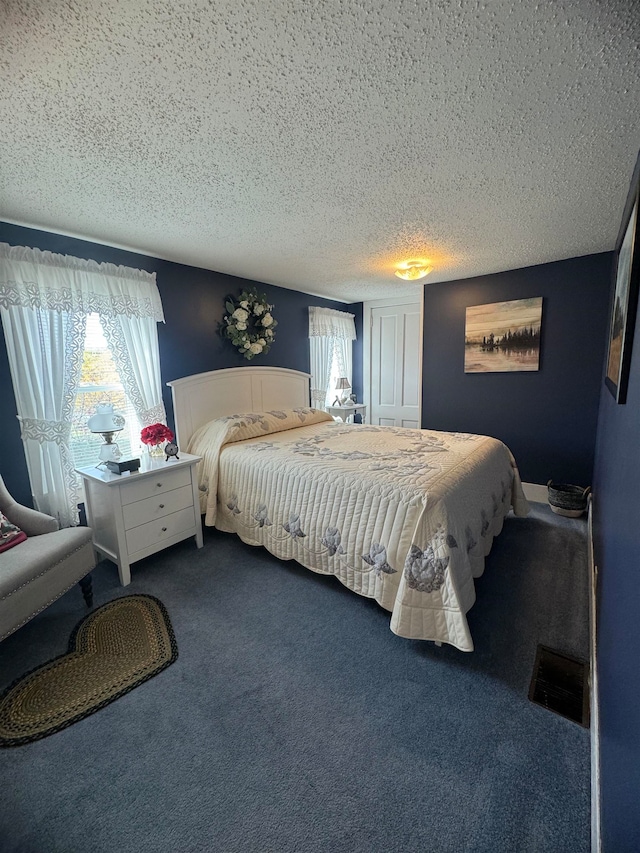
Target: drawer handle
(159, 485)
(161, 506)
(164, 529)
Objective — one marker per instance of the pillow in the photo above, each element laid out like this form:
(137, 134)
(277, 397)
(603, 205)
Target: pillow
(208, 441)
(251, 425)
(10, 535)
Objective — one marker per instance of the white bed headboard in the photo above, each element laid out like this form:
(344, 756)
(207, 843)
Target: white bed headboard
(202, 397)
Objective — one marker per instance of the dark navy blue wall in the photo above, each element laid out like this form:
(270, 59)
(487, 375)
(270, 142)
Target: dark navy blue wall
(358, 378)
(548, 417)
(616, 516)
(193, 302)
(616, 504)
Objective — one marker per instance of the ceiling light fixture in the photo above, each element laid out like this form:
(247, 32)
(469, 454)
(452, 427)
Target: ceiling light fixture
(413, 270)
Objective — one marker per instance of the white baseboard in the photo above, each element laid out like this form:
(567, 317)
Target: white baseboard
(536, 493)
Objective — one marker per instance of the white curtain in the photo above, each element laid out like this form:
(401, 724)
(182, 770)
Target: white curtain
(44, 301)
(134, 343)
(36, 279)
(45, 355)
(321, 351)
(330, 336)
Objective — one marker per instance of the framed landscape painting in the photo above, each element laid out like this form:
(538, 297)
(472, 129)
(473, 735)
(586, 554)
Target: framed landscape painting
(625, 297)
(503, 336)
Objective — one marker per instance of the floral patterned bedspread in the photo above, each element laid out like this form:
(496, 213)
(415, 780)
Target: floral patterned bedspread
(403, 516)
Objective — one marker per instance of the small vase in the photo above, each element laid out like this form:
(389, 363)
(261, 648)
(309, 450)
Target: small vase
(155, 451)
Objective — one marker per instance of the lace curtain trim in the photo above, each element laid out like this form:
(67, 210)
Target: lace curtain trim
(341, 358)
(73, 484)
(75, 285)
(327, 323)
(155, 415)
(41, 430)
(74, 356)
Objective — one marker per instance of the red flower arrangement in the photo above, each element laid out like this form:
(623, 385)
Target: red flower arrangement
(156, 434)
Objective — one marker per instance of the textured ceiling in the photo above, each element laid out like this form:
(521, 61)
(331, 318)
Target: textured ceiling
(315, 143)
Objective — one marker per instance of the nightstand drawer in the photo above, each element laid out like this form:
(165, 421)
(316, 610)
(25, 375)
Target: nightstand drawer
(163, 481)
(163, 528)
(164, 503)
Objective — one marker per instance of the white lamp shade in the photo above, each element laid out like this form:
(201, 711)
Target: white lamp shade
(105, 419)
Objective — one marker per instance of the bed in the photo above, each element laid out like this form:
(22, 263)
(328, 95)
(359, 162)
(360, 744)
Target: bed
(403, 516)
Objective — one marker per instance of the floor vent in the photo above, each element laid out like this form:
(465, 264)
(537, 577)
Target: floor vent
(560, 683)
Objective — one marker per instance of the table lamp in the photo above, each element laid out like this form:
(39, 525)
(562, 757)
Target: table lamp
(106, 423)
(343, 386)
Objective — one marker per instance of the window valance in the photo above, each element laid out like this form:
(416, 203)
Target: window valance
(327, 323)
(31, 278)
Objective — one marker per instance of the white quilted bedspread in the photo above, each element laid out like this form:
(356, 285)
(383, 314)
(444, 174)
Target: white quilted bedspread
(403, 516)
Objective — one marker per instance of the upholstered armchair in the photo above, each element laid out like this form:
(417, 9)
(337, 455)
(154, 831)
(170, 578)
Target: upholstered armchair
(42, 566)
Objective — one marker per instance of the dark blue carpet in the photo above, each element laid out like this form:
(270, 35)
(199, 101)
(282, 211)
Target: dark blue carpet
(294, 720)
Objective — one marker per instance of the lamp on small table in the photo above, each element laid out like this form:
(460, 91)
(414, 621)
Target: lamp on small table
(343, 386)
(106, 423)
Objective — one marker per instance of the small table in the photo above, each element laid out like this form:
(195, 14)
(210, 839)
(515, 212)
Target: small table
(344, 412)
(137, 513)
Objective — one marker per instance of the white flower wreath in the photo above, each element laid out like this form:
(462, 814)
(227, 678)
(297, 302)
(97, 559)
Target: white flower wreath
(249, 324)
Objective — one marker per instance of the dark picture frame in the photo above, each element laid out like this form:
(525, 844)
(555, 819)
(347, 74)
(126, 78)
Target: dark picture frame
(625, 296)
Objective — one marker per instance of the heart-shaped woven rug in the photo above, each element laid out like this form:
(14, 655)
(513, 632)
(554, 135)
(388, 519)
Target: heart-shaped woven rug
(111, 651)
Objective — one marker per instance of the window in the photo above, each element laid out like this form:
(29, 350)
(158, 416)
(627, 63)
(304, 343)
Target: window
(331, 334)
(335, 374)
(100, 382)
(57, 312)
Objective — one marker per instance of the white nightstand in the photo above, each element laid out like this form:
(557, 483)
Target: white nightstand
(344, 411)
(136, 514)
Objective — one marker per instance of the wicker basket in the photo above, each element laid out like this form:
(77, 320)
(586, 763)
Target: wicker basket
(568, 500)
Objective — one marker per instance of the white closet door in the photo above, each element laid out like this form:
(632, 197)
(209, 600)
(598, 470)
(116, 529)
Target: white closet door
(396, 350)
